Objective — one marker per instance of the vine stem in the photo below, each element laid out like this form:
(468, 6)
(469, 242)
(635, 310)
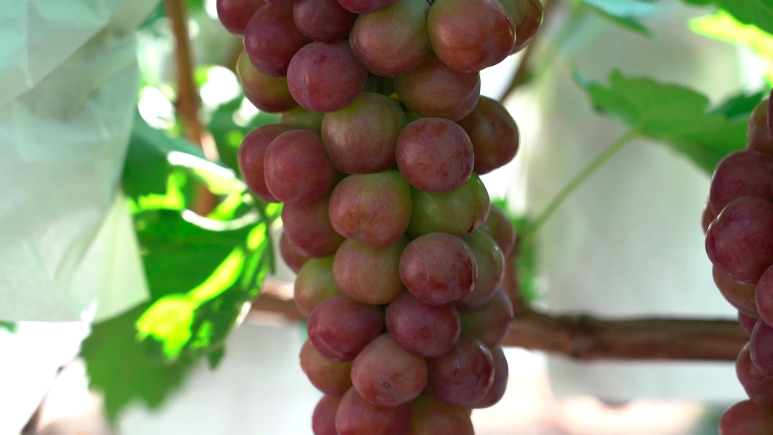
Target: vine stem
(577, 181)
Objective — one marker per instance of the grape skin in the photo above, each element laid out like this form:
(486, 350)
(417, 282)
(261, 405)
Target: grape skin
(369, 275)
(469, 205)
(292, 256)
(741, 296)
(740, 241)
(269, 94)
(491, 322)
(494, 134)
(435, 155)
(470, 35)
(325, 77)
(331, 378)
(372, 208)
(425, 330)
(297, 168)
(763, 296)
(739, 174)
(271, 39)
(308, 227)
(322, 20)
(746, 418)
(463, 376)
(340, 327)
(467, 106)
(501, 376)
(433, 89)
(357, 416)
(235, 14)
(527, 17)
(758, 387)
(362, 138)
(323, 418)
(433, 417)
(387, 375)
(491, 270)
(299, 117)
(314, 284)
(393, 40)
(251, 158)
(438, 269)
(365, 6)
(762, 348)
(707, 218)
(747, 323)
(499, 227)
(759, 136)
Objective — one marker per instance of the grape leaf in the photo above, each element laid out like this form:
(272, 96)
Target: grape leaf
(117, 366)
(623, 12)
(672, 114)
(741, 105)
(755, 12)
(8, 326)
(526, 260)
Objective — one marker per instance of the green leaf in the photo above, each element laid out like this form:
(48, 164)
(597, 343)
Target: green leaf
(724, 27)
(741, 105)
(8, 326)
(117, 366)
(526, 260)
(216, 357)
(623, 12)
(674, 115)
(755, 12)
(228, 134)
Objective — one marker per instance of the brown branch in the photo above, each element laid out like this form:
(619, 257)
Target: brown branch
(187, 103)
(524, 69)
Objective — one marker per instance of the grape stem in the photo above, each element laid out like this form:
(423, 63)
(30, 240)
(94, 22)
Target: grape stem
(577, 181)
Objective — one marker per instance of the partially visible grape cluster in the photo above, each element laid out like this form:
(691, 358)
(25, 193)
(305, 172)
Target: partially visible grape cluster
(738, 221)
(399, 253)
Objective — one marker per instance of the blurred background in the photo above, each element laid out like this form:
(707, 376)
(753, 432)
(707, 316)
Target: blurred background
(627, 243)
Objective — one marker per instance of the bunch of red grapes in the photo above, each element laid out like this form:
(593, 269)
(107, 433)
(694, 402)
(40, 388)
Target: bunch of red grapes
(738, 221)
(399, 253)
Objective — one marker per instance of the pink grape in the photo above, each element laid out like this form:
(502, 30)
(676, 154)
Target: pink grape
(372, 208)
(433, 89)
(340, 327)
(324, 416)
(499, 227)
(763, 296)
(325, 77)
(292, 256)
(387, 375)
(332, 378)
(740, 241)
(438, 269)
(747, 323)
(430, 212)
(739, 174)
(762, 348)
(491, 322)
(494, 135)
(251, 158)
(425, 330)
(322, 20)
(235, 14)
(433, 417)
(707, 218)
(463, 376)
(746, 418)
(759, 136)
(314, 284)
(299, 117)
(357, 416)
(470, 35)
(271, 39)
(269, 94)
(367, 274)
(362, 137)
(758, 387)
(435, 155)
(501, 376)
(365, 6)
(741, 296)
(527, 17)
(393, 40)
(491, 269)
(308, 227)
(467, 106)
(297, 168)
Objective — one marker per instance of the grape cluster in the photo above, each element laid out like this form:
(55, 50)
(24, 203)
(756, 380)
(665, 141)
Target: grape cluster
(738, 222)
(399, 254)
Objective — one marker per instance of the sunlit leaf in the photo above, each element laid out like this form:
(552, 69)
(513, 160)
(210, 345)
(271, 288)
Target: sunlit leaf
(625, 13)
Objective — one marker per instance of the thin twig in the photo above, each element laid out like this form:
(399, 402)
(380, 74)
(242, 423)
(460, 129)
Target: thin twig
(188, 103)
